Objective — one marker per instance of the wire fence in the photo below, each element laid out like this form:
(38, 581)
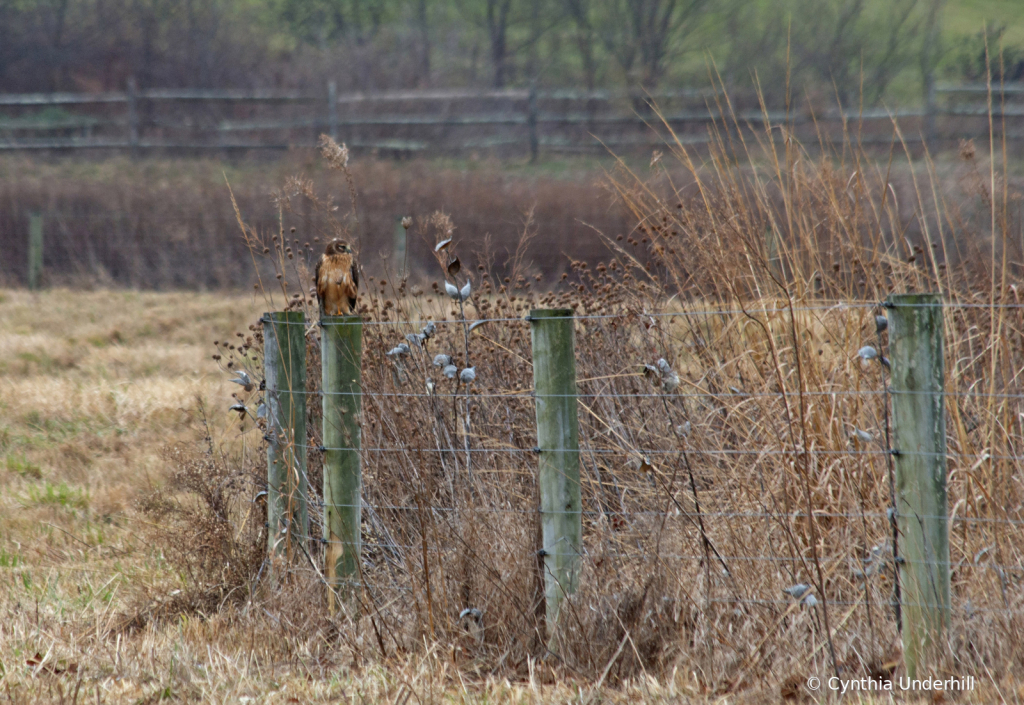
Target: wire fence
(722, 468)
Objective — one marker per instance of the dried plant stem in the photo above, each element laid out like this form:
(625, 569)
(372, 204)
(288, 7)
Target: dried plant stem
(812, 521)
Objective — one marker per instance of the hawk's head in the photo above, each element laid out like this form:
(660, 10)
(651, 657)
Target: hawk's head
(337, 247)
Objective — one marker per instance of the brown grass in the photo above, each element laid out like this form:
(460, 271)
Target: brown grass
(766, 273)
(168, 224)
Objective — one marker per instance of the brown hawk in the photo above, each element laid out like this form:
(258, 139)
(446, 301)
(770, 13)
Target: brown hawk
(337, 280)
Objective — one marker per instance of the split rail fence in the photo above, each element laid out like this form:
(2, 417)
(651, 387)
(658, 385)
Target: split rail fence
(913, 522)
(508, 122)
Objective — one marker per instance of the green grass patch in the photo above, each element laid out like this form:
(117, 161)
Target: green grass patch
(47, 430)
(20, 465)
(968, 17)
(9, 560)
(57, 495)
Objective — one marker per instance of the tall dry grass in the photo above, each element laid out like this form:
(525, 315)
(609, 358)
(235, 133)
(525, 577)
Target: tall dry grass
(755, 274)
(757, 280)
(167, 224)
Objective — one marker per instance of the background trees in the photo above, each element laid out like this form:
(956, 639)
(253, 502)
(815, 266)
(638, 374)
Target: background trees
(881, 51)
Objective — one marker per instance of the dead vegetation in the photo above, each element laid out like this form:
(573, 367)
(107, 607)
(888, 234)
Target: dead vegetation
(167, 224)
(756, 287)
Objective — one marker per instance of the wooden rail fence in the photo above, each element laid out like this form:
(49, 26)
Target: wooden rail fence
(516, 121)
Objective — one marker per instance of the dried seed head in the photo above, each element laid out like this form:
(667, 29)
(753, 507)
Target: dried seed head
(797, 591)
(335, 154)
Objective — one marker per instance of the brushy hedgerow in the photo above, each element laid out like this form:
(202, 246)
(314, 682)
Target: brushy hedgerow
(756, 279)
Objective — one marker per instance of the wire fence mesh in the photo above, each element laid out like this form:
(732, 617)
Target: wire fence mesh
(700, 481)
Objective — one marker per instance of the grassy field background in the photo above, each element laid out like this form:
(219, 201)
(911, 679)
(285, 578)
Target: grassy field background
(131, 544)
(94, 387)
(964, 18)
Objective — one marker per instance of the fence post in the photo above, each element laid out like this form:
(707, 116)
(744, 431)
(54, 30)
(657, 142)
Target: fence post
(133, 117)
(332, 110)
(919, 440)
(35, 250)
(531, 122)
(401, 248)
(341, 355)
(554, 380)
(284, 360)
(930, 111)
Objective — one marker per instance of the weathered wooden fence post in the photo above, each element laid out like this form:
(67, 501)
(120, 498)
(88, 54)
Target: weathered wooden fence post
(919, 440)
(554, 381)
(332, 110)
(35, 250)
(284, 360)
(341, 354)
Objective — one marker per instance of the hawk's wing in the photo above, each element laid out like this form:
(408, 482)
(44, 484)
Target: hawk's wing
(316, 281)
(354, 289)
(320, 284)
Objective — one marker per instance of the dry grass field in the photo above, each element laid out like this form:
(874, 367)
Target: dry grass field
(93, 387)
(132, 547)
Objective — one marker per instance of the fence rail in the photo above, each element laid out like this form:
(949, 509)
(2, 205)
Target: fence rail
(409, 121)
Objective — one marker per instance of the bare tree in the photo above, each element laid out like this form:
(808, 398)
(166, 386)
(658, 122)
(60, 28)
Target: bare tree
(497, 14)
(423, 20)
(643, 34)
(839, 42)
(585, 36)
(754, 47)
(530, 20)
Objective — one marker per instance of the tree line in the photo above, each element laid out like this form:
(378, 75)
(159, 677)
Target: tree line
(853, 50)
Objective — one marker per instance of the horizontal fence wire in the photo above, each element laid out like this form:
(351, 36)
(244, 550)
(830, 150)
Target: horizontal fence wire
(641, 555)
(970, 609)
(621, 512)
(837, 307)
(593, 514)
(692, 451)
(530, 394)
